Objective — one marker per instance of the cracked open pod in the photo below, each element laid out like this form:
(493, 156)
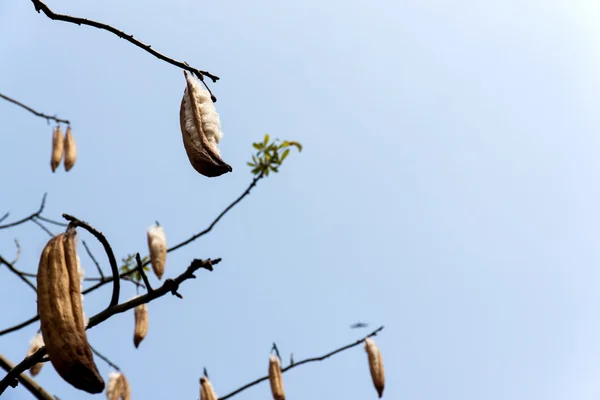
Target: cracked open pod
(201, 129)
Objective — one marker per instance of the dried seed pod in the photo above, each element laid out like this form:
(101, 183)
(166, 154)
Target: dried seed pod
(201, 129)
(57, 148)
(207, 392)
(118, 387)
(275, 378)
(141, 324)
(157, 243)
(375, 365)
(34, 346)
(70, 149)
(61, 315)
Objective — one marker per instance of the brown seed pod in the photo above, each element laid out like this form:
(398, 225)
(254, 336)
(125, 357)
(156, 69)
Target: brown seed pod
(275, 378)
(207, 392)
(70, 149)
(141, 324)
(34, 346)
(61, 315)
(118, 387)
(157, 244)
(375, 365)
(57, 148)
(201, 129)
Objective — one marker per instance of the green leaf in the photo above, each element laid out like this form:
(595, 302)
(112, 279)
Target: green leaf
(266, 140)
(250, 164)
(285, 154)
(257, 146)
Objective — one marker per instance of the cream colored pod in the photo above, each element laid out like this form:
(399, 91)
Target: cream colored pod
(141, 324)
(57, 148)
(157, 244)
(207, 392)
(375, 365)
(276, 378)
(118, 387)
(36, 343)
(70, 150)
(201, 129)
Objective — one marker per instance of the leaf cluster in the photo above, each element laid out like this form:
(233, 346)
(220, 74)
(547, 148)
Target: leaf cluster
(129, 263)
(270, 155)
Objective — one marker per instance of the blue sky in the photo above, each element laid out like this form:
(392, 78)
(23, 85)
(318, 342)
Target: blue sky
(447, 190)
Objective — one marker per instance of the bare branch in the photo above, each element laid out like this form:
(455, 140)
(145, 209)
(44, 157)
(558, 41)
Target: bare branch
(51, 221)
(87, 249)
(20, 326)
(23, 220)
(36, 390)
(212, 225)
(170, 286)
(18, 255)
(39, 114)
(39, 6)
(308, 360)
(4, 216)
(140, 268)
(18, 273)
(38, 223)
(105, 359)
(109, 252)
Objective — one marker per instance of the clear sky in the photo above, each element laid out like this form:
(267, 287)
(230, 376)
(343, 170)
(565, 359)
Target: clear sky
(448, 189)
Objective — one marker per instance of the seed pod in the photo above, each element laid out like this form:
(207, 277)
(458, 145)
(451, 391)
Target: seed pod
(157, 243)
(57, 148)
(201, 129)
(375, 365)
(141, 324)
(118, 387)
(275, 378)
(207, 392)
(34, 346)
(70, 150)
(61, 315)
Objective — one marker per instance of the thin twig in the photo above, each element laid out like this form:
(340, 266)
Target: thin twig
(308, 360)
(170, 286)
(39, 114)
(51, 221)
(39, 6)
(140, 268)
(38, 223)
(212, 225)
(18, 255)
(23, 220)
(87, 249)
(18, 273)
(20, 326)
(4, 216)
(105, 359)
(109, 252)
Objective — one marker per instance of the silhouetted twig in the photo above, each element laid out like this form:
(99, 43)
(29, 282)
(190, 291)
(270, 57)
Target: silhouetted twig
(39, 114)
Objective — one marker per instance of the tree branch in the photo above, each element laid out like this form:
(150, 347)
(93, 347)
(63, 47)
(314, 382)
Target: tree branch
(18, 273)
(109, 252)
(170, 286)
(31, 110)
(87, 249)
(308, 360)
(105, 359)
(23, 220)
(36, 390)
(39, 6)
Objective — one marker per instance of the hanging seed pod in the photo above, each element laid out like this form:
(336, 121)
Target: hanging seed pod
(118, 387)
(57, 148)
(70, 150)
(375, 365)
(61, 315)
(157, 244)
(36, 343)
(207, 392)
(201, 129)
(141, 324)
(275, 378)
